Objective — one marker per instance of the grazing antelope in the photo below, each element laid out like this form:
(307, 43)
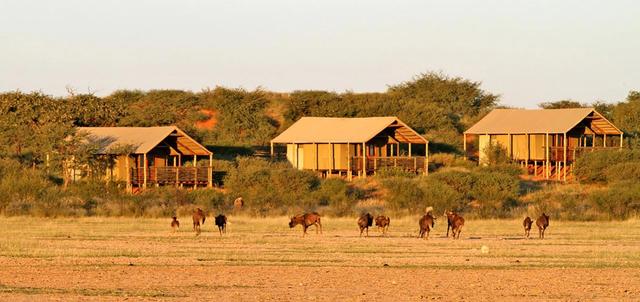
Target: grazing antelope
(382, 222)
(426, 223)
(175, 224)
(364, 222)
(221, 223)
(543, 223)
(306, 220)
(198, 215)
(456, 222)
(527, 226)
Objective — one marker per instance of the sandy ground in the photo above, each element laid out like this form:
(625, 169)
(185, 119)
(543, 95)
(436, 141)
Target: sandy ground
(262, 260)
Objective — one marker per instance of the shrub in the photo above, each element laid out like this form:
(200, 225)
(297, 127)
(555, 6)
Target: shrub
(272, 187)
(590, 166)
(387, 172)
(629, 171)
(496, 154)
(404, 194)
(619, 201)
(338, 196)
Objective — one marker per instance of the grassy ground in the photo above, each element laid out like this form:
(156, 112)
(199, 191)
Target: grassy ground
(262, 259)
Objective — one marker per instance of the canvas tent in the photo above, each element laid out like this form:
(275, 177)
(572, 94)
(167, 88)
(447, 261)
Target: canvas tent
(142, 156)
(552, 138)
(353, 145)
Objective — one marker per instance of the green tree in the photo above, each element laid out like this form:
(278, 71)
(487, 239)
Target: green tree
(562, 104)
(626, 115)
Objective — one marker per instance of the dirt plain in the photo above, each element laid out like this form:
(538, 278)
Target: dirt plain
(116, 259)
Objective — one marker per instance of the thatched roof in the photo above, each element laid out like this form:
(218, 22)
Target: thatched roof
(538, 121)
(347, 130)
(143, 139)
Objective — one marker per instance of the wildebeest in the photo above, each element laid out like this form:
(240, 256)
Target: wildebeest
(198, 215)
(238, 204)
(175, 224)
(364, 222)
(426, 223)
(543, 223)
(527, 226)
(455, 222)
(306, 220)
(382, 222)
(221, 223)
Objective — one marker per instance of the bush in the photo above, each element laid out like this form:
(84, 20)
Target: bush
(496, 154)
(629, 171)
(338, 196)
(272, 187)
(590, 166)
(620, 201)
(387, 172)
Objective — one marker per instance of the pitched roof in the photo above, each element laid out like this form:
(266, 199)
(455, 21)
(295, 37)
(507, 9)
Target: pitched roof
(345, 130)
(514, 121)
(142, 139)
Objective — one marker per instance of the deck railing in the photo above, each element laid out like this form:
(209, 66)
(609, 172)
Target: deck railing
(172, 175)
(374, 163)
(557, 153)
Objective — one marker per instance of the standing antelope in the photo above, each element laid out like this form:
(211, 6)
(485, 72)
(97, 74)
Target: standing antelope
(543, 223)
(198, 215)
(364, 222)
(527, 226)
(456, 222)
(427, 222)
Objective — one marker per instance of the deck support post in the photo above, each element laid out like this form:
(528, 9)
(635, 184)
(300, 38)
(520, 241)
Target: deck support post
(210, 171)
(409, 149)
(510, 146)
(426, 159)
(464, 144)
(126, 166)
(364, 160)
(546, 155)
(621, 140)
(295, 155)
(604, 140)
(526, 160)
(315, 157)
(144, 170)
(195, 171)
(349, 172)
(564, 165)
(272, 150)
(333, 159)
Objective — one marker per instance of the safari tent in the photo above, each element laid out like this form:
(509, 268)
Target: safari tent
(347, 146)
(142, 156)
(545, 141)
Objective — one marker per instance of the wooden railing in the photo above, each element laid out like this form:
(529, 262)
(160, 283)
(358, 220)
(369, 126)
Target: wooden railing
(557, 153)
(172, 175)
(412, 164)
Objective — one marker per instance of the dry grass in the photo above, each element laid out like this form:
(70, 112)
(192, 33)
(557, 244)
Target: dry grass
(92, 257)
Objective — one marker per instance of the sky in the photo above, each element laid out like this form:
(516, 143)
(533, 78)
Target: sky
(526, 51)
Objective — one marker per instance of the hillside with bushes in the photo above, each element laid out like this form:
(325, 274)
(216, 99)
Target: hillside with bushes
(36, 128)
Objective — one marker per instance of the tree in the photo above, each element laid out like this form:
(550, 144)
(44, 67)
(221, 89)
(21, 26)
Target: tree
(626, 115)
(562, 104)
(34, 125)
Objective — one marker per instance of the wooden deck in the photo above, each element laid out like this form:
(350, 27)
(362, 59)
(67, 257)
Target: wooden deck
(416, 164)
(172, 176)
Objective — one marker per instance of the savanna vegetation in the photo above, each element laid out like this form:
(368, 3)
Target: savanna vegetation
(35, 145)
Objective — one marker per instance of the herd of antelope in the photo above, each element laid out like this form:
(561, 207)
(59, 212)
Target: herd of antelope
(455, 222)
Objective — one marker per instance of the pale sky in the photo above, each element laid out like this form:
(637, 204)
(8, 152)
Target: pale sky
(526, 51)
